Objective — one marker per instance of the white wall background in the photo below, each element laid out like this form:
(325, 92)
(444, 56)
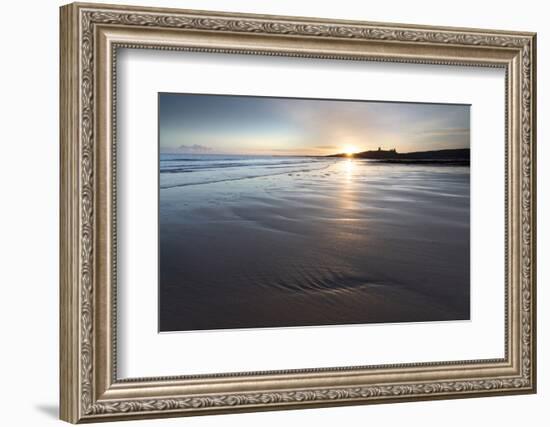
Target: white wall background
(29, 170)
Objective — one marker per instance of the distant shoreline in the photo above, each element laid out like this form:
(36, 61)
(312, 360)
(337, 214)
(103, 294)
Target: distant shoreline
(438, 162)
(459, 156)
(451, 157)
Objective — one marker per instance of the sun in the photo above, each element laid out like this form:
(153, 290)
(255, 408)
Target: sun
(349, 150)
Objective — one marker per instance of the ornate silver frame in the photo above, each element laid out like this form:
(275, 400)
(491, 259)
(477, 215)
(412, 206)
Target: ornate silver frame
(90, 36)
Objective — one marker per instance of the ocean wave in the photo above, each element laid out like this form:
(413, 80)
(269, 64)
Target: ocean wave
(219, 164)
(240, 178)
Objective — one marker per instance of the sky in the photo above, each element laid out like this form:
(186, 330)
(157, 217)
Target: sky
(228, 124)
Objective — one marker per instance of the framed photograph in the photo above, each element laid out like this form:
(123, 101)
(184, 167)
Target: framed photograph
(266, 212)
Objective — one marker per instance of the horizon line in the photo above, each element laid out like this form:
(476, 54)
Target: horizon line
(305, 155)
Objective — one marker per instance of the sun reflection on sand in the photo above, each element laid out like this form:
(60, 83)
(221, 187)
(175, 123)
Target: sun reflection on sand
(347, 195)
(349, 167)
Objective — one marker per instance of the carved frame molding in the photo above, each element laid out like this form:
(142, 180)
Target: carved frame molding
(90, 37)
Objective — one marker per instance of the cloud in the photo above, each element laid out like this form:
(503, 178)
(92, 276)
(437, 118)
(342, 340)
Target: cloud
(444, 132)
(190, 149)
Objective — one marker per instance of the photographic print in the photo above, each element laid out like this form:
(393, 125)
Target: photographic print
(281, 212)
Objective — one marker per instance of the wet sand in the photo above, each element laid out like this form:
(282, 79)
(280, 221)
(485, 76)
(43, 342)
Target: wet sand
(343, 242)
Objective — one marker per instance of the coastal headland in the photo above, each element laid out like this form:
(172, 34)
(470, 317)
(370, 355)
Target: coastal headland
(460, 156)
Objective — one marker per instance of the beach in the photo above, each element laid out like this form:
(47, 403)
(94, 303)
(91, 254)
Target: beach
(252, 241)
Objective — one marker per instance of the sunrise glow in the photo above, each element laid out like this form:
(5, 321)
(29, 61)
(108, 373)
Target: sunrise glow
(226, 124)
(350, 150)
